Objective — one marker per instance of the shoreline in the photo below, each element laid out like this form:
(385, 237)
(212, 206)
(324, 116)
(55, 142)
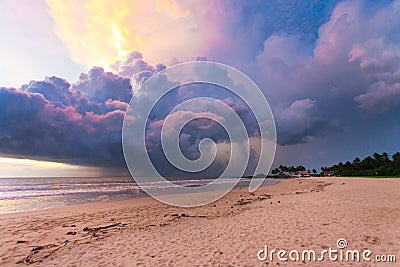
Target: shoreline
(144, 196)
(103, 197)
(297, 212)
(133, 202)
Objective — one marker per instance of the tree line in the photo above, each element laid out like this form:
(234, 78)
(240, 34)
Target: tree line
(375, 165)
(291, 169)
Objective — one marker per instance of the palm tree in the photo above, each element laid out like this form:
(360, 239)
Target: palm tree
(356, 160)
(368, 163)
(378, 160)
(396, 159)
(386, 159)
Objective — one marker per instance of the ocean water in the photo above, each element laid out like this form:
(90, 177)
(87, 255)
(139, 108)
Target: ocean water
(22, 194)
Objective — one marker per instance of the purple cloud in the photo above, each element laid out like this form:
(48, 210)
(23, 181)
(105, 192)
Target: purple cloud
(300, 122)
(49, 119)
(98, 86)
(380, 98)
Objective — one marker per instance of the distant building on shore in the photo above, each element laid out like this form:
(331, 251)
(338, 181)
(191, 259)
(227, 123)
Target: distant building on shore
(291, 174)
(303, 174)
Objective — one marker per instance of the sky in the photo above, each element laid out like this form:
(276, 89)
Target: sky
(330, 71)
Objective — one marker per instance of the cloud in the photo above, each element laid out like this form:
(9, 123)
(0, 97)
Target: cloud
(381, 98)
(97, 33)
(322, 72)
(49, 119)
(243, 26)
(81, 123)
(356, 48)
(99, 86)
(352, 67)
(299, 123)
(197, 129)
(59, 93)
(136, 68)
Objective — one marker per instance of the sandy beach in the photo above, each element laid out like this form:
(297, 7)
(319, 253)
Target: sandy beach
(296, 214)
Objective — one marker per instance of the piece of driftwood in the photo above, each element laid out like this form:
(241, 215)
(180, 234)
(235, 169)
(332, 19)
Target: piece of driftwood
(36, 249)
(96, 229)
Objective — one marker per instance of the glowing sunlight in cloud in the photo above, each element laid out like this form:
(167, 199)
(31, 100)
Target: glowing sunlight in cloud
(98, 33)
(14, 167)
(9, 162)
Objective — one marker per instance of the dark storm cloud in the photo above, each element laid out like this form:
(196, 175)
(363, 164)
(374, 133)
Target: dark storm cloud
(196, 130)
(300, 123)
(78, 123)
(81, 123)
(52, 120)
